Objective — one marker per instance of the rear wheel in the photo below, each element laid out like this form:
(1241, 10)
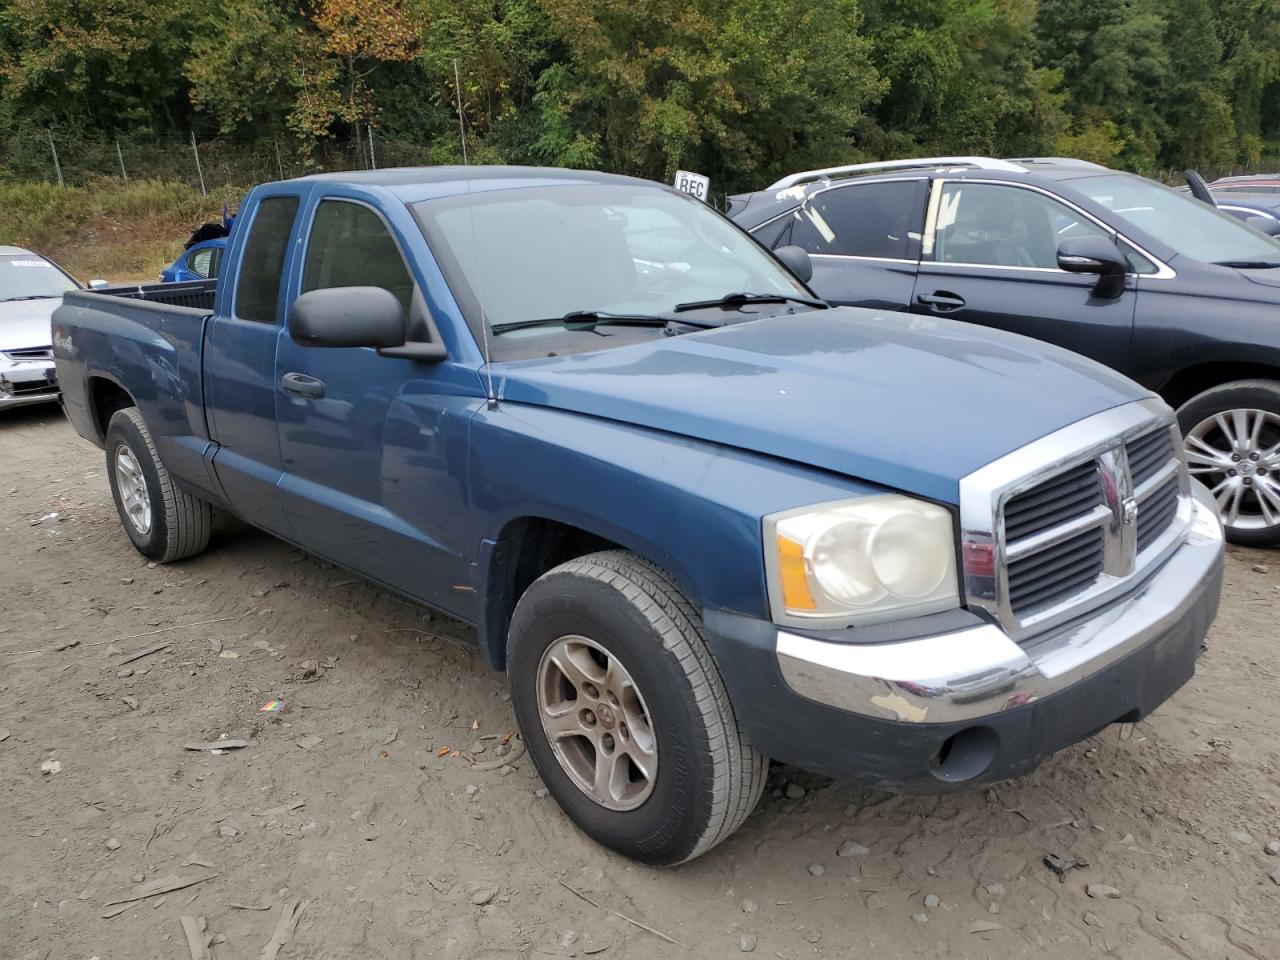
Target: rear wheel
(624, 712)
(164, 521)
(1232, 441)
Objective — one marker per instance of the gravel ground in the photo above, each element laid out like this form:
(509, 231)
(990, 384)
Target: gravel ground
(358, 803)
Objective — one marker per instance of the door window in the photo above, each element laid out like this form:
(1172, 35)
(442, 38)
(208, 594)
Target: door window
(859, 220)
(201, 262)
(258, 290)
(350, 246)
(992, 225)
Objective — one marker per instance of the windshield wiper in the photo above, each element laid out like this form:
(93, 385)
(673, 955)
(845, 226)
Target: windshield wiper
(1249, 264)
(34, 296)
(738, 299)
(590, 319)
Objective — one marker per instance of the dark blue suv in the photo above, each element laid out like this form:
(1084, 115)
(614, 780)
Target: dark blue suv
(1177, 295)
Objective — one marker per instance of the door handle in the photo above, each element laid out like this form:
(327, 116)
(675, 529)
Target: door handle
(300, 385)
(941, 300)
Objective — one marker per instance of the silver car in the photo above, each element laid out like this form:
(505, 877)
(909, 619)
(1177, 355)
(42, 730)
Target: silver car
(31, 287)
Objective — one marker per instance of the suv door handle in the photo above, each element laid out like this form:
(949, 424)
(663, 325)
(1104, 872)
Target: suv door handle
(300, 385)
(941, 300)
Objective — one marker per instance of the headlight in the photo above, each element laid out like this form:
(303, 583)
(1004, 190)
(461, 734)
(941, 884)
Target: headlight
(860, 561)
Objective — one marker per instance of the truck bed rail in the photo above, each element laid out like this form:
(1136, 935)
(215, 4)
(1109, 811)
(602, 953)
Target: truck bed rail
(196, 294)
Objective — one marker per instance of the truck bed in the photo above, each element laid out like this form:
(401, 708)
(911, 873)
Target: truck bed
(146, 342)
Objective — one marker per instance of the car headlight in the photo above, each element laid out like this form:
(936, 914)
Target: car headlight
(860, 561)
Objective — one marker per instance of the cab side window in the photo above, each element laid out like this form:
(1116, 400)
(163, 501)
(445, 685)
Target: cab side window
(258, 289)
(990, 225)
(859, 220)
(350, 246)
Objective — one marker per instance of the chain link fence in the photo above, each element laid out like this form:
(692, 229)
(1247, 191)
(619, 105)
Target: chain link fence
(68, 160)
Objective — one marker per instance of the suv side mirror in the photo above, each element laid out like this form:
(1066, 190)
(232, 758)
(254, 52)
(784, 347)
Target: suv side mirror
(98, 284)
(347, 317)
(796, 259)
(1095, 255)
(1268, 225)
(1091, 255)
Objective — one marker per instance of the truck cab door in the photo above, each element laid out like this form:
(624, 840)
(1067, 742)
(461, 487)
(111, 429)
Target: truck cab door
(863, 239)
(990, 257)
(374, 447)
(240, 362)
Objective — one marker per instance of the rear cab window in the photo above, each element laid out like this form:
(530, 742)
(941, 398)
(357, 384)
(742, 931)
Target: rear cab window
(262, 264)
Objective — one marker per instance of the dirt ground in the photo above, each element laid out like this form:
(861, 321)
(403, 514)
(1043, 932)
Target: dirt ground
(349, 802)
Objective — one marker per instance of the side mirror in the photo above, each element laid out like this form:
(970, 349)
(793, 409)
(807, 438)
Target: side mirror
(98, 284)
(1268, 225)
(796, 259)
(347, 317)
(1091, 255)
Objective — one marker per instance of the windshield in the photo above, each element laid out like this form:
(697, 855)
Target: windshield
(1177, 219)
(542, 252)
(25, 275)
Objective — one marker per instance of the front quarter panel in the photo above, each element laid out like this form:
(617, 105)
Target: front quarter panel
(693, 508)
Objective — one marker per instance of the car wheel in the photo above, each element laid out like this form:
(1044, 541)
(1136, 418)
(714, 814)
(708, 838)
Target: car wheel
(164, 521)
(1232, 441)
(624, 712)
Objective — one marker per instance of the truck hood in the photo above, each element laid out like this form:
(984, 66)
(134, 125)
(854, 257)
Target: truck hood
(25, 323)
(907, 402)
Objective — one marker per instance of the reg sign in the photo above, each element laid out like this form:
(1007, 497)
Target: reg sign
(693, 183)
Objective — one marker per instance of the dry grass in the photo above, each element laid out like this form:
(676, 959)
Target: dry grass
(109, 230)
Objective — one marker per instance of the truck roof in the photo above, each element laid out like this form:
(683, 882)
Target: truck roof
(411, 184)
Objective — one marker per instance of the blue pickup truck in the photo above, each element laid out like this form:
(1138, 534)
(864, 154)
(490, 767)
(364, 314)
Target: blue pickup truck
(700, 518)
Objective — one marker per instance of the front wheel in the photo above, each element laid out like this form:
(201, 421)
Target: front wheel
(1232, 441)
(624, 712)
(164, 521)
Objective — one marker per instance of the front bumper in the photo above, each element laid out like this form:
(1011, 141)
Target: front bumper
(970, 704)
(27, 381)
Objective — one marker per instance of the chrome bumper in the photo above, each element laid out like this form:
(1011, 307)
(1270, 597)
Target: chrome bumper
(968, 674)
(27, 381)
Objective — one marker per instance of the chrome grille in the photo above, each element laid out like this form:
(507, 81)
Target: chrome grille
(1074, 517)
(1148, 453)
(1067, 495)
(1157, 512)
(1050, 576)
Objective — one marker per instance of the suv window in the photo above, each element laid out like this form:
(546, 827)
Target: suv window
(258, 290)
(203, 263)
(992, 225)
(350, 246)
(859, 220)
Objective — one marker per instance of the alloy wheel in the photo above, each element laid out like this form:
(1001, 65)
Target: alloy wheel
(133, 490)
(596, 721)
(1237, 454)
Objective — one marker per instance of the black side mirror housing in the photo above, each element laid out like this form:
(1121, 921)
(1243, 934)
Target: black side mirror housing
(1268, 225)
(796, 259)
(347, 317)
(1095, 255)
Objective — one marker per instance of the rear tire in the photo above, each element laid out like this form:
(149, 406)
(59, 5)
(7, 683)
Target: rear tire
(606, 650)
(163, 520)
(1232, 441)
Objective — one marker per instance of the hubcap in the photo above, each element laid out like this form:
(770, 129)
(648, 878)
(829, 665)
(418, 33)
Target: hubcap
(1237, 453)
(133, 490)
(597, 723)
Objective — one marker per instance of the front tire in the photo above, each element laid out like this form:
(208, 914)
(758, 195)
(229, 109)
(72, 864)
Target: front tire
(164, 521)
(624, 712)
(1232, 442)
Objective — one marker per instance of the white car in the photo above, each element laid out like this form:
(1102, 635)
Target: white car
(31, 288)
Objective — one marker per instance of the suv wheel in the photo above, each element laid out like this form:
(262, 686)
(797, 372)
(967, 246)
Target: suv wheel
(165, 522)
(1232, 441)
(624, 713)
